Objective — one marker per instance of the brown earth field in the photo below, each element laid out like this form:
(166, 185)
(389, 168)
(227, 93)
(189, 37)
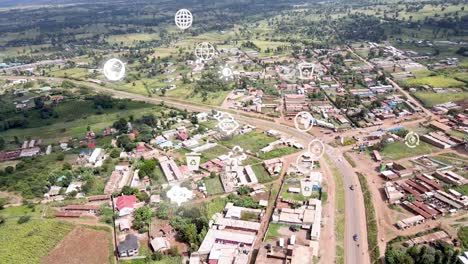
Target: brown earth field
(81, 245)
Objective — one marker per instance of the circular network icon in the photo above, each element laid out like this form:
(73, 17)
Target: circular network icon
(114, 70)
(205, 51)
(183, 19)
(226, 73)
(304, 121)
(412, 139)
(316, 149)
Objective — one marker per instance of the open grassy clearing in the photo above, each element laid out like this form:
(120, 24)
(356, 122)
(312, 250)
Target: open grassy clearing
(54, 131)
(252, 142)
(399, 150)
(213, 185)
(278, 152)
(273, 233)
(186, 94)
(434, 81)
(262, 174)
(429, 99)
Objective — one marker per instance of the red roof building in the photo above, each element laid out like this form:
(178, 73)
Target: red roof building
(126, 201)
(183, 136)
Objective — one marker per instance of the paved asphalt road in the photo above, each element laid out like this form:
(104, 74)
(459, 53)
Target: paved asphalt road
(354, 213)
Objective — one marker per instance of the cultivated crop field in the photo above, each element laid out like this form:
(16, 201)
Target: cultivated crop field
(30, 242)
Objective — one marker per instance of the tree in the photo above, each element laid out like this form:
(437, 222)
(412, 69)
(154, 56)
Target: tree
(23, 219)
(163, 211)
(3, 202)
(115, 153)
(127, 190)
(125, 143)
(2, 143)
(103, 100)
(190, 234)
(146, 167)
(120, 125)
(142, 218)
(243, 190)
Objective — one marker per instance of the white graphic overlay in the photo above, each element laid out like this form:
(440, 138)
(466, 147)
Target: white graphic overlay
(114, 70)
(226, 122)
(226, 73)
(179, 195)
(316, 149)
(205, 51)
(236, 156)
(306, 70)
(193, 161)
(183, 19)
(412, 139)
(304, 121)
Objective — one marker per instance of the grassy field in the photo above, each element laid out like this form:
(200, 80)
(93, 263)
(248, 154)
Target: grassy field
(279, 152)
(73, 123)
(253, 141)
(185, 93)
(398, 150)
(214, 206)
(262, 174)
(295, 196)
(429, 99)
(340, 212)
(371, 221)
(31, 241)
(213, 185)
(434, 81)
(213, 153)
(273, 233)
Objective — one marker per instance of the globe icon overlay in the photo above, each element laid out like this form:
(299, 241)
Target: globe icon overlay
(183, 19)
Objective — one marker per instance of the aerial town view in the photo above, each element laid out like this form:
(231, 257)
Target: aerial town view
(234, 132)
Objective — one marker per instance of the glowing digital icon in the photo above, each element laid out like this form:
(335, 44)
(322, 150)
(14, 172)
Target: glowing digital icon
(412, 140)
(236, 156)
(304, 121)
(193, 161)
(114, 70)
(306, 70)
(179, 195)
(226, 73)
(183, 19)
(205, 51)
(316, 149)
(226, 122)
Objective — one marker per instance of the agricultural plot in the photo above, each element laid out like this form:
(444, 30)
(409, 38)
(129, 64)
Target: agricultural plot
(83, 245)
(399, 150)
(252, 142)
(28, 243)
(429, 99)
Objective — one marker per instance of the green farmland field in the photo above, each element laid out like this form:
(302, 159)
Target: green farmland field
(429, 99)
(28, 243)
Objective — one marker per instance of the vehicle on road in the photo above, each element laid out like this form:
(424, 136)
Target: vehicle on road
(351, 187)
(355, 237)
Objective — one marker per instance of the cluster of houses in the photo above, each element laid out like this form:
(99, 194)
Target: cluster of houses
(231, 236)
(424, 192)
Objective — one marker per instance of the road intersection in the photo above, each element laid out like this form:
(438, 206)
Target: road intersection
(356, 252)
